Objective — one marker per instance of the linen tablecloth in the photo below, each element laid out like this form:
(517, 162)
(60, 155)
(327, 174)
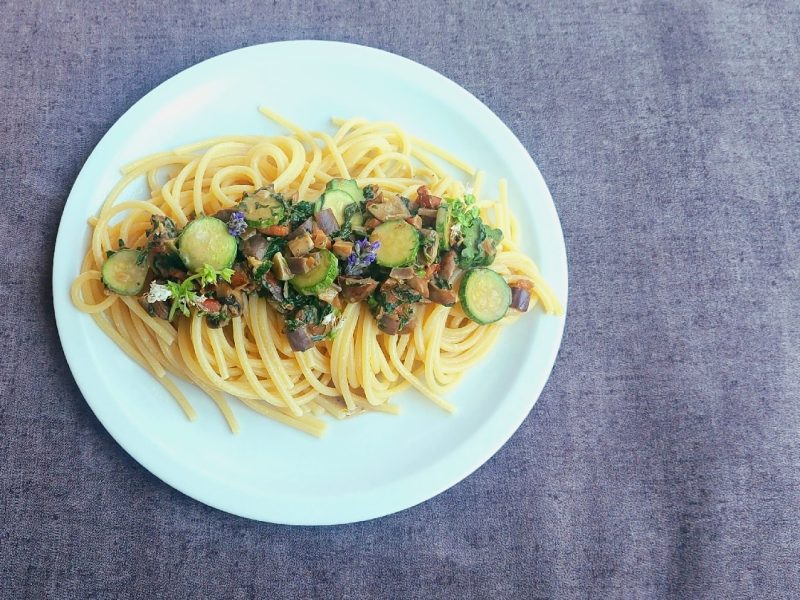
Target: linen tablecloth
(662, 459)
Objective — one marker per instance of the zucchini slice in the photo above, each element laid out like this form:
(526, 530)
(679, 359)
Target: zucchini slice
(338, 201)
(261, 209)
(206, 241)
(399, 243)
(444, 221)
(320, 277)
(124, 272)
(347, 185)
(485, 296)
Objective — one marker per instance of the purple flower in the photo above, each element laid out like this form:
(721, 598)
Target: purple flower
(364, 254)
(236, 224)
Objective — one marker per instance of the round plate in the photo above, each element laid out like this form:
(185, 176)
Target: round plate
(364, 467)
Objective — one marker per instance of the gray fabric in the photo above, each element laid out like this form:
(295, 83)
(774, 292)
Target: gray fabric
(662, 459)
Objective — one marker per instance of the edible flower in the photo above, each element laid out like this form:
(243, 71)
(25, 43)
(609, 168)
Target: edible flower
(158, 292)
(364, 254)
(236, 224)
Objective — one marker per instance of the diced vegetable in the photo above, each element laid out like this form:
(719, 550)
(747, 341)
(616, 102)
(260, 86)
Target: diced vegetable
(443, 223)
(441, 296)
(399, 243)
(357, 289)
(206, 241)
(280, 267)
(301, 245)
(300, 265)
(299, 339)
(275, 230)
(125, 271)
(318, 278)
(402, 273)
(521, 295)
(485, 296)
(390, 207)
(342, 248)
(255, 246)
(306, 226)
(339, 201)
(262, 209)
(327, 221)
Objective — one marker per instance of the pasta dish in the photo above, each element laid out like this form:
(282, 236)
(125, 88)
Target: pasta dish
(309, 273)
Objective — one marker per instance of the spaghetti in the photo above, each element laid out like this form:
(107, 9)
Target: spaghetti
(359, 367)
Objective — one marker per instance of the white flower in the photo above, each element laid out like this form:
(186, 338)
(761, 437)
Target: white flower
(469, 189)
(158, 292)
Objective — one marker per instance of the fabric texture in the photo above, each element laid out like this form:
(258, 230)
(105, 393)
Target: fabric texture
(662, 459)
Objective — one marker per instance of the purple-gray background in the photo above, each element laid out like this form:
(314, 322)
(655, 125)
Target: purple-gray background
(662, 459)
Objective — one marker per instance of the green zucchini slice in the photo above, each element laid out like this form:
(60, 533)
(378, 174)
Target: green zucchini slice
(399, 243)
(206, 241)
(485, 296)
(125, 271)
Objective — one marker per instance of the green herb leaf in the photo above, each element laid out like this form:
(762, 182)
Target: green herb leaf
(275, 245)
(300, 212)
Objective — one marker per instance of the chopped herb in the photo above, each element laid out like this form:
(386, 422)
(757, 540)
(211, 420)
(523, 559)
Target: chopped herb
(262, 270)
(183, 296)
(471, 233)
(275, 245)
(300, 212)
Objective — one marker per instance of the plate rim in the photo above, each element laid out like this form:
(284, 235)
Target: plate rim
(431, 487)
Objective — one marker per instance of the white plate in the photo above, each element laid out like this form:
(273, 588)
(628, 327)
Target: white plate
(368, 466)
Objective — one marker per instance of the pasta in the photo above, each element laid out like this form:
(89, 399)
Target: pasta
(360, 368)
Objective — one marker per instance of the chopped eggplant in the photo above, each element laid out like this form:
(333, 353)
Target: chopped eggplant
(419, 285)
(440, 295)
(304, 227)
(280, 267)
(328, 294)
(342, 248)
(521, 294)
(299, 339)
(255, 246)
(300, 265)
(301, 245)
(390, 209)
(273, 287)
(326, 220)
(356, 289)
(402, 272)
